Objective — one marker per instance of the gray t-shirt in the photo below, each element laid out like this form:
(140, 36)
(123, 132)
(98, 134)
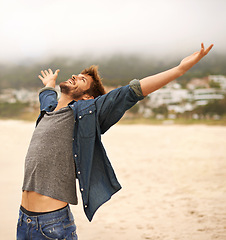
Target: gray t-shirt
(49, 163)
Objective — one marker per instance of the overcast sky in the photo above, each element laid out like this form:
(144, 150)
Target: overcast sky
(38, 29)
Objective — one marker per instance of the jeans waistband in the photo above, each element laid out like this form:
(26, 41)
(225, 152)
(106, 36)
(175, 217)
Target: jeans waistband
(29, 213)
(51, 217)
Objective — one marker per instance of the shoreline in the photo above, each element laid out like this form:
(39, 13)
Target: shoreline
(154, 122)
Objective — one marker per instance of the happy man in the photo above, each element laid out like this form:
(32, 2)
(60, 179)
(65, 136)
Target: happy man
(66, 145)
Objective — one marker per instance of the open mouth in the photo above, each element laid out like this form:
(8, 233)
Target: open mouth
(71, 81)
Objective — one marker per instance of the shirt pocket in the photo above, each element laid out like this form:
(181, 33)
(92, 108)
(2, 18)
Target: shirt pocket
(87, 122)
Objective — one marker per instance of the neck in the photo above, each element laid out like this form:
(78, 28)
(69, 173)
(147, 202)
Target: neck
(63, 101)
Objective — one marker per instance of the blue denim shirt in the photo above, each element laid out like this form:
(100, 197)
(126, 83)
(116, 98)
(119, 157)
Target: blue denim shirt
(97, 180)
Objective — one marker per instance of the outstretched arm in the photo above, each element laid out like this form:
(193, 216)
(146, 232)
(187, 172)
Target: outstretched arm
(48, 78)
(152, 83)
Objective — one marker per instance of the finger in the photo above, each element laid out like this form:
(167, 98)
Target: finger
(41, 77)
(43, 74)
(57, 71)
(202, 49)
(208, 49)
(46, 72)
(50, 71)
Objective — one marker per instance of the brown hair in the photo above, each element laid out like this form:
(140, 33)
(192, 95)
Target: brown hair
(96, 89)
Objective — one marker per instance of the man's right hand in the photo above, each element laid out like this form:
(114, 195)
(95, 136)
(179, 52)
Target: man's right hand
(48, 78)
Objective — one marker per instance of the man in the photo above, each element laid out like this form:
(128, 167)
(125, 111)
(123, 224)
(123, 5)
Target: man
(66, 144)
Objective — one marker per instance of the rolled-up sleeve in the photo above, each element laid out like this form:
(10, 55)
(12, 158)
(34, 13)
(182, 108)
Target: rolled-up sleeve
(47, 99)
(135, 85)
(47, 88)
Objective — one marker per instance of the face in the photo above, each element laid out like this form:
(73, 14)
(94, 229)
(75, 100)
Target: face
(76, 85)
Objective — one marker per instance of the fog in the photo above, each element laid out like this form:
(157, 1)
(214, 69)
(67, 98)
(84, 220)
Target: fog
(36, 30)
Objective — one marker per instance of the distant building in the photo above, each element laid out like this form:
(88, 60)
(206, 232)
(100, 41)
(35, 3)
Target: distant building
(198, 83)
(22, 95)
(203, 96)
(177, 100)
(180, 100)
(7, 96)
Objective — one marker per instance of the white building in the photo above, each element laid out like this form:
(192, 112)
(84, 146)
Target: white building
(22, 95)
(169, 96)
(203, 96)
(182, 100)
(198, 83)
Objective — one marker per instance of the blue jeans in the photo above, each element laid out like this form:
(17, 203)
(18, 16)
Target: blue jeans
(56, 225)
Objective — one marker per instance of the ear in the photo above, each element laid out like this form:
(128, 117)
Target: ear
(87, 97)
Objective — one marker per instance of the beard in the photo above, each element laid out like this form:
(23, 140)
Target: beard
(73, 92)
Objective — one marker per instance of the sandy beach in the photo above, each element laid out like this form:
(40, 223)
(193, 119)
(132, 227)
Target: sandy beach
(173, 179)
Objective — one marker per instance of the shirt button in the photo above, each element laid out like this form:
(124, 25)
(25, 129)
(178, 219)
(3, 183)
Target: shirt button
(79, 172)
(82, 189)
(75, 155)
(80, 117)
(90, 111)
(86, 206)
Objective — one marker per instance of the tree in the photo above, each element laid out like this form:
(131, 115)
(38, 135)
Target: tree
(214, 107)
(161, 110)
(214, 84)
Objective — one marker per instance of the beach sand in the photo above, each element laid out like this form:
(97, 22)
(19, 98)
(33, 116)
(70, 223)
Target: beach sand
(173, 179)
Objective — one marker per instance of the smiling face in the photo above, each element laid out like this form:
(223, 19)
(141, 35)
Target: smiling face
(76, 86)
